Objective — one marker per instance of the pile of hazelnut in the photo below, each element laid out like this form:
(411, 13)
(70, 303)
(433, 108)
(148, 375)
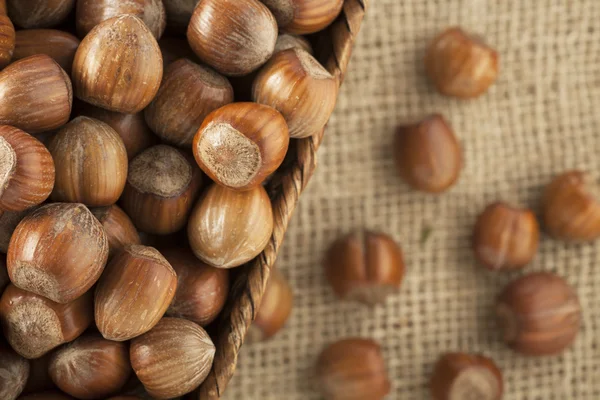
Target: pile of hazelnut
(99, 299)
(539, 313)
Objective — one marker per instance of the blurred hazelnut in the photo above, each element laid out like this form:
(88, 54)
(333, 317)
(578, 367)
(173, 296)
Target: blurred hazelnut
(364, 266)
(118, 228)
(539, 314)
(14, 371)
(59, 45)
(39, 13)
(304, 16)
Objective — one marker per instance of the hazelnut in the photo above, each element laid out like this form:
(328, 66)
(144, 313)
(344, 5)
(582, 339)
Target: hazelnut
(353, 369)
(505, 237)
(132, 128)
(295, 84)
(304, 16)
(179, 13)
(224, 35)
(187, 94)
(39, 378)
(91, 367)
(26, 170)
(241, 144)
(228, 228)
(91, 13)
(91, 163)
(364, 266)
(428, 155)
(571, 207)
(36, 95)
(8, 222)
(460, 376)
(49, 395)
(461, 65)
(58, 251)
(119, 229)
(118, 65)
(39, 13)
(34, 325)
(173, 48)
(274, 310)
(4, 279)
(134, 292)
(286, 41)
(201, 289)
(173, 358)
(162, 185)
(539, 314)
(59, 45)
(7, 41)
(14, 371)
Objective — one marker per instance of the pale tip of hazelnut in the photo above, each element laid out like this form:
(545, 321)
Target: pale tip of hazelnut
(475, 383)
(8, 163)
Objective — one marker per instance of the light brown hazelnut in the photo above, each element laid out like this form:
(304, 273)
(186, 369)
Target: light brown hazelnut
(364, 266)
(119, 229)
(505, 237)
(39, 13)
(539, 314)
(228, 228)
(14, 371)
(304, 16)
(59, 45)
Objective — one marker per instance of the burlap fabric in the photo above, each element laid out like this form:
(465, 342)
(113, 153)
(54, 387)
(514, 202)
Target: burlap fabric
(539, 119)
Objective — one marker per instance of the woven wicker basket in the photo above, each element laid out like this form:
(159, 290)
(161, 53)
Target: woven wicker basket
(333, 49)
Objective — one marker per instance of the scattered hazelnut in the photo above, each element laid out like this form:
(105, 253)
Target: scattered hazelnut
(224, 35)
(7, 41)
(161, 188)
(353, 369)
(304, 16)
(119, 229)
(274, 310)
(460, 376)
(14, 371)
(118, 65)
(39, 13)
(187, 94)
(26, 170)
(36, 95)
(91, 367)
(461, 65)
(571, 207)
(286, 41)
(505, 237)
(241, 144)
(364, 266)
(34, 325)
(228, 228)
(539, 314)
(295, 84)
(201, 289)
(58, 251)
(59, 45)
(428, 155)
(134, 293)
(91, 163)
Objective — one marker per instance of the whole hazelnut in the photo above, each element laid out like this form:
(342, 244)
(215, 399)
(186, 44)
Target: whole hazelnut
(26, 170)
(364, 266)
(134, 293)
(225, 35)
(119, 229)
(539, 314)
(187, 94)
(34, 325)
(304, 16)
(173, 358)
(90, 367)
(91, 13)
(162, 185)
(241, 144)
(571, 207)
(428, 155)
(36, 94)
(286, 41)
(59, 45)
(14, 371)
(91, 163)
(201, 289)
(118, 65)
(58, 251)
(179, 13)
(7, 41)
(461, 65)
(228, 228)
(353, 369)
(296, 84)
(8, 223)
(460, 376)
(48, 395)
(505, 237)
(274, 310)
(39, 13)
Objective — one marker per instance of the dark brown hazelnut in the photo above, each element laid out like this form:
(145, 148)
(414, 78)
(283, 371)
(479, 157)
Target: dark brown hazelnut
(48, 395)
(39, 378)
(4, 279)
(8, 223)
(39, 13)
(179, 13)
(59, 45)
(14, 371)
